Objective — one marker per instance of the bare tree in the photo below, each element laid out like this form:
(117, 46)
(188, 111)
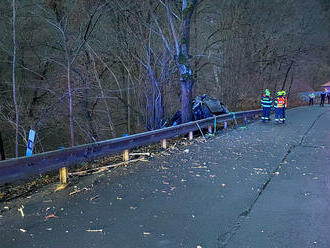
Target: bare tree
(181, 54)
(14, 79)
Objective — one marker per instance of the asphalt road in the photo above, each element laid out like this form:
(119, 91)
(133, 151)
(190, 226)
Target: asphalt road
(265, 185)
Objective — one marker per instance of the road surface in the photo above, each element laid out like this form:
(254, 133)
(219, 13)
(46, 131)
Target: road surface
(265, 185)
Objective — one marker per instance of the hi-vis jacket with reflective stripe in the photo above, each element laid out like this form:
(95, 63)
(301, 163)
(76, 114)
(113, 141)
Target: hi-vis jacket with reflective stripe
(266, 101)
(279, 102)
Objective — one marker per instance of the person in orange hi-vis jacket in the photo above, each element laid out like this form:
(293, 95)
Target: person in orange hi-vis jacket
(285, 105)
(279, 107)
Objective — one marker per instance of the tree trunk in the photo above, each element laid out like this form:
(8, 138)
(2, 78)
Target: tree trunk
(128, 108)
(14, 79)
(186, 100)
(286, 75)
(2, 150)
(97, 78)
(183, 60)
(291, 83)
(70, 98)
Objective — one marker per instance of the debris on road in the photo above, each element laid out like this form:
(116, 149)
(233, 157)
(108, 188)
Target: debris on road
(51, 216)
(21, 211)
(75, 191)
(22, 230)
(94, 230)
(104, 168)
(140, 154)
(94, 197)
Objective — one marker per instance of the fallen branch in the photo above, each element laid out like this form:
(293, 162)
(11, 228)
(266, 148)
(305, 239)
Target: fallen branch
(140, 154)
(96, 230)
(104, 168)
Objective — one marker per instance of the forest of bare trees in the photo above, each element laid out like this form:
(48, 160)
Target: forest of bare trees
(80, 71)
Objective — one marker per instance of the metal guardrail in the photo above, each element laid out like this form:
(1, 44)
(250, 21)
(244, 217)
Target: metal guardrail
(18, 168)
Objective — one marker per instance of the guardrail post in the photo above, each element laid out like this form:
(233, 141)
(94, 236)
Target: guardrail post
(63, 175)
(126, 155)
(191, 136)
(209, 129)
(164, 143)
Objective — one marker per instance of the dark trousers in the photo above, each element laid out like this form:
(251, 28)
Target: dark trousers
(278, 114)
(328, 99)
(311, 101)
(322, 102)
(265, 113)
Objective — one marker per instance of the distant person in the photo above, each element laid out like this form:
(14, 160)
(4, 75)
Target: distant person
(279, 105)
(323, 94)
(311, 98)
(328, 96)
(266, 104)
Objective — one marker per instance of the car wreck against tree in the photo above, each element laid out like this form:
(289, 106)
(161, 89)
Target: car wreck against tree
(202, 107)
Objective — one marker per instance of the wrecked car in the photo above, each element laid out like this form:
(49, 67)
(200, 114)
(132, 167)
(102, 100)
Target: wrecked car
(203, 107)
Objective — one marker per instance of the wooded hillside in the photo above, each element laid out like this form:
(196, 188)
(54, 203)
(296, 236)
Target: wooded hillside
(80, 71)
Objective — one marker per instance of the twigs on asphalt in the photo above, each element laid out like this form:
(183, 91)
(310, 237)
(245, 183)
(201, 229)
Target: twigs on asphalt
(104, 168)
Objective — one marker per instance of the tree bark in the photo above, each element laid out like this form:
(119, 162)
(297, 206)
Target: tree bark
(183, 60)
(14, 78)
(186, 100)
(70, 95)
